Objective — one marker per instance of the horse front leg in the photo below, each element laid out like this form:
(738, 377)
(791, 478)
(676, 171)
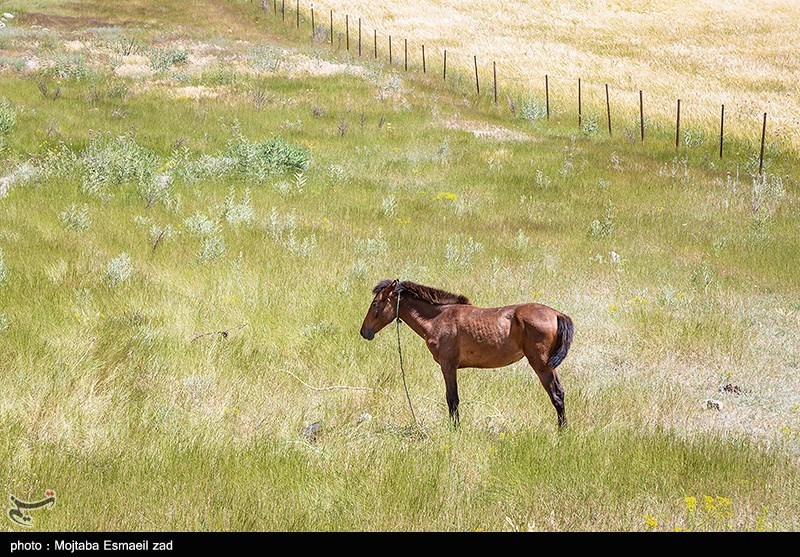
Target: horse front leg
(451, 390)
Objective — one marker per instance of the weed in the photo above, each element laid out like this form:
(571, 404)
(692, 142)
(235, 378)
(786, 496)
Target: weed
(69, 66)
(602, 228)
(240, 213)
(8, 116)
(76, 217)
(389, 205)
(162, 59)
(590, 125)
(459, 252)
(3, 268)
(532, 109)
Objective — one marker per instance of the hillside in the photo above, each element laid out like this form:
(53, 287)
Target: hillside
(167, 178)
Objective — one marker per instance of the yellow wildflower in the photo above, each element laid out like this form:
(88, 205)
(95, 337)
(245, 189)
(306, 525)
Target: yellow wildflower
(691, 504)
(724, 507)
(650, 521)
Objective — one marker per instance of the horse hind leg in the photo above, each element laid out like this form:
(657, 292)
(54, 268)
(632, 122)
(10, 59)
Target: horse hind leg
(451, 390)
(549, 379)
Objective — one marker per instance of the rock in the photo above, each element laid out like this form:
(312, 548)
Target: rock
(364, 417)
(731, 388)
(712, 404)
(312, 431)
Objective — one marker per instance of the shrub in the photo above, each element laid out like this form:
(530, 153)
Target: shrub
(116, 161)
(260, 160)
(156, 189)
(264, 59)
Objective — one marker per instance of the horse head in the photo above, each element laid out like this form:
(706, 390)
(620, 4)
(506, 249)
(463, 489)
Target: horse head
(383, 309)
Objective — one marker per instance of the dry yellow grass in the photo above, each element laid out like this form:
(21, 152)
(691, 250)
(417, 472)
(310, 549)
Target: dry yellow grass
(706, 53)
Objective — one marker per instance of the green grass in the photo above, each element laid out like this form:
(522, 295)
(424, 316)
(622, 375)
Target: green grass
(109, 395)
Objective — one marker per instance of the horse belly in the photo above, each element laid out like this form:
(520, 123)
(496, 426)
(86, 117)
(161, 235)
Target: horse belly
(478, 359)
(488, 345)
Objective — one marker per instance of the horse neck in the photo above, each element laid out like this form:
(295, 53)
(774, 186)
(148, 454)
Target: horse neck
(418, 315)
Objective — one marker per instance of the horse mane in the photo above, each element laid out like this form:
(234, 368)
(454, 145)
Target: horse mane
(425, 293)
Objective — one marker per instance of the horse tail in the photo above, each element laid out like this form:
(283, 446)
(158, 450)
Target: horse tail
(564, 337)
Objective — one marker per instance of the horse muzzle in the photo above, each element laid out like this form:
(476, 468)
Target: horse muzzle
(368, 334)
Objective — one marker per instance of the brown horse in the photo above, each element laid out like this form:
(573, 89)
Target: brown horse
(461, 335)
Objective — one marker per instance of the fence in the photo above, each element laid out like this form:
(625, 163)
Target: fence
(331, 29)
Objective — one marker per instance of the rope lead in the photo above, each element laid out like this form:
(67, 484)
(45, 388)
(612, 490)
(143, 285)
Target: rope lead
(402, 368)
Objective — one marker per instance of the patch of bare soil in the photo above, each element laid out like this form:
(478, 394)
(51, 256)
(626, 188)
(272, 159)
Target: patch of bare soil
(484, 129)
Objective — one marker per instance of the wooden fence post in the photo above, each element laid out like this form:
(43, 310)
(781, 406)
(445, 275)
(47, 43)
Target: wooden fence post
(375, 42)
(579, 103)
(297, 11)
(359, 36)
(390, 50)
(721, 129)
(608, 110)
(424, 70)
(547, 94)
(678, 127)
(763, 137)
(331, 27)
(494, 73)
(405, 54)
(477, 83)
(641, 115)
(444, 66)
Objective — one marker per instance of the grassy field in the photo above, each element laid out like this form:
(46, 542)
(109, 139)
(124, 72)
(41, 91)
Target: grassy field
(165, 177)
(706, 53)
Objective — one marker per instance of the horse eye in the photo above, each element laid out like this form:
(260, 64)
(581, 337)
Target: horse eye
(374, 304)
